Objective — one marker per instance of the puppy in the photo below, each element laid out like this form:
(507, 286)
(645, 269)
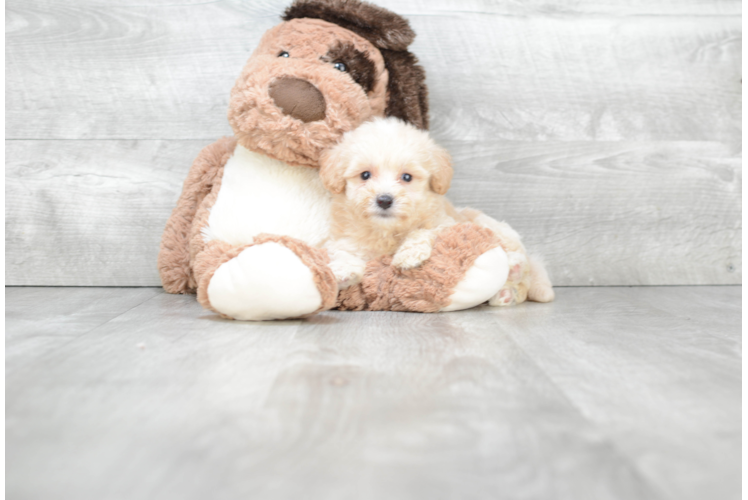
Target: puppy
(388, 181)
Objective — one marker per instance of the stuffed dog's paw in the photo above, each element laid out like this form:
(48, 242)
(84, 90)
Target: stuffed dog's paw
(411, 256)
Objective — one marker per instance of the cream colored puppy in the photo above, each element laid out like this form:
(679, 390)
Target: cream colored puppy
(388, 181)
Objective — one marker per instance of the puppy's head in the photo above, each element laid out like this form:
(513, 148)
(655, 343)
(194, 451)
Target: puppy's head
(328, 67)
(390, 171)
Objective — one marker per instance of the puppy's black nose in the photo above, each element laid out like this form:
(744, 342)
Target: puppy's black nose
(384, 201)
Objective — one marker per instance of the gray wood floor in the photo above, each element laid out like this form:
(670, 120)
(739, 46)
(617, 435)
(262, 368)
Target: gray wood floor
(130, 393)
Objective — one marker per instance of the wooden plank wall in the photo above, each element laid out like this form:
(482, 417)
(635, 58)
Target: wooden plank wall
(608, 135)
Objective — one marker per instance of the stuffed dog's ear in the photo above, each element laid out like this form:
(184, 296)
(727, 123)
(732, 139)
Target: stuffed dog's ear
(441, 170)
(407, 94)
(331, 168)
(384, 29)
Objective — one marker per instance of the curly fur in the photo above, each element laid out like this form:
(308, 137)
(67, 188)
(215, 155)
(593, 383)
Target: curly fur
(387, 149)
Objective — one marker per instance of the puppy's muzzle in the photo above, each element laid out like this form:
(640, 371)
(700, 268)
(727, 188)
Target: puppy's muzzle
(298, 98)
(384, 201)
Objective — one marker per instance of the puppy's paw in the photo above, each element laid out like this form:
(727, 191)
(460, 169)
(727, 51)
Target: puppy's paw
(411, 256)
(346, 280)
(347, 274)
(518, 266)
(542, 293)
(507, 296)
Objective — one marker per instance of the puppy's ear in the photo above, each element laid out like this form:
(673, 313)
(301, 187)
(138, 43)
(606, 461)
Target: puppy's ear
(441, 170)
(331, 168)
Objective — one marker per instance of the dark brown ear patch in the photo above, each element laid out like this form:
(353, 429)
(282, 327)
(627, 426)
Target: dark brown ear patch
(357, 64)
(406, 88)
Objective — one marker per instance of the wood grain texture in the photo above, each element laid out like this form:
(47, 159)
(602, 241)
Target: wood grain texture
(536, 70)
(600, 213)
(608, 134)
(645, 352)
(34, 324)
(567, 7)
(88, 213)
(741, 162)
(620, 213)
(607, 393)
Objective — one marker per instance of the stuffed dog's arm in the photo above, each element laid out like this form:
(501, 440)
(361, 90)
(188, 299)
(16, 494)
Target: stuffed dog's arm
(174, 255)
(527, 277)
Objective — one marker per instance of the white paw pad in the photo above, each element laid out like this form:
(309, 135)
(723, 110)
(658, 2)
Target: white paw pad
(481, 282)
(266, 281)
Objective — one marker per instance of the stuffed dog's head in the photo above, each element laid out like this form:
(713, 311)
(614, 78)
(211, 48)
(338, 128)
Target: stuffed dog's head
(390, 172)
(330, 66)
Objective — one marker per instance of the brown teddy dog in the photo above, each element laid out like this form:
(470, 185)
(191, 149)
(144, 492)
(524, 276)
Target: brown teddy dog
(247, 230)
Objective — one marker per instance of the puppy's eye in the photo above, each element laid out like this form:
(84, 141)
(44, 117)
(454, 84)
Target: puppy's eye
(284, 54)
(365, 175)
(406, 177)
(340, 66)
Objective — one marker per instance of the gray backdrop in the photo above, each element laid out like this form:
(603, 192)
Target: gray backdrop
(608, 135)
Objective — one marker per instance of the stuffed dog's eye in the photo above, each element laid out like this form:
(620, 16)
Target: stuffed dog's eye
(340, 66)
(406, 177)
(365, 175)
(284, 54)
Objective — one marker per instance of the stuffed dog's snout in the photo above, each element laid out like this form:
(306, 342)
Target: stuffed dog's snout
(298, 98)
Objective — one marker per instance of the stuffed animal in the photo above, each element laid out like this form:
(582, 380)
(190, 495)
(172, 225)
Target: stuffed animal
(247, 231)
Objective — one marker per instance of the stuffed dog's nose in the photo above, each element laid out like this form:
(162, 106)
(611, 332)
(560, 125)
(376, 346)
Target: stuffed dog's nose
(384, 201)
(298, 98)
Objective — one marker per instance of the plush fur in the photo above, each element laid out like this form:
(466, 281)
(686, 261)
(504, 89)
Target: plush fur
(380, 79)
(426, 288)
(387, 157)
(261, 126)
(407, 95)
(178, 248)
(357, 63)
(385, 29)
(217, 253)
(262, 195)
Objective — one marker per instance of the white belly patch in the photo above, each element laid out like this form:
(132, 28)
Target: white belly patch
(261, 195)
